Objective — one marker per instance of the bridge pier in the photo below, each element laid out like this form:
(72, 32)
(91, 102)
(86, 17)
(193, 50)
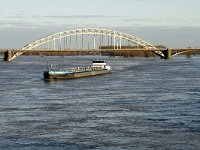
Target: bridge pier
(167, 53)
(7, 55)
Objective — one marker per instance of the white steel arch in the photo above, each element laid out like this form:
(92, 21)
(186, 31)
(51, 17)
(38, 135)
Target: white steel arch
(88, 31)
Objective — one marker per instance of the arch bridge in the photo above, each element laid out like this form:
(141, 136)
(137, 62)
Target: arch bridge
(93, 39)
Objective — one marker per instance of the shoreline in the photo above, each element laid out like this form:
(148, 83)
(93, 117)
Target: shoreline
(135, 53)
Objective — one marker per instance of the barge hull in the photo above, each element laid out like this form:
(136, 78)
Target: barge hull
(75, 75)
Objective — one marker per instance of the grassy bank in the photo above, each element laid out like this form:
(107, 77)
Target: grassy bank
(136, 53)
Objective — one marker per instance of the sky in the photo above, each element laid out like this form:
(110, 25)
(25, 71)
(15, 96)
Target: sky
(152, 20)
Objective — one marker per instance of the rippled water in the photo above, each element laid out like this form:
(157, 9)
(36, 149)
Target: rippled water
(146, 103)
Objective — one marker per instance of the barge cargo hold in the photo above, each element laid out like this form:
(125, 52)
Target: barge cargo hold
(97, 68)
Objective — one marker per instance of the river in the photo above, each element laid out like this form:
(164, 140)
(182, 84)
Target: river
(145, 103)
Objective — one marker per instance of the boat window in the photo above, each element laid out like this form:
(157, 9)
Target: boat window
(98, 61)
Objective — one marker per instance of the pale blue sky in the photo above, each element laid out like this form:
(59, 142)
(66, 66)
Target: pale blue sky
(113, 13)
(48, 16)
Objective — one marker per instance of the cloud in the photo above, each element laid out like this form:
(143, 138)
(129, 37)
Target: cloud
(7, 24)
(93, 20)
(81, 16)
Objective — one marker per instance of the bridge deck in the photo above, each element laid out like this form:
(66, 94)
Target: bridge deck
(139, 49)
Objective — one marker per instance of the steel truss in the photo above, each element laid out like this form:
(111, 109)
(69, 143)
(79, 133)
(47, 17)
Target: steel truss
(89, 31)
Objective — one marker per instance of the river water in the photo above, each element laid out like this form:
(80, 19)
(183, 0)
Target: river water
(145, 103)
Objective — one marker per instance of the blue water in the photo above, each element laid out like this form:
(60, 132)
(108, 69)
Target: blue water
(146, 103)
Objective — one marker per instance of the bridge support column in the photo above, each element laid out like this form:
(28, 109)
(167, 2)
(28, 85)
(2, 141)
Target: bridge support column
(167, 53)
(7, 55)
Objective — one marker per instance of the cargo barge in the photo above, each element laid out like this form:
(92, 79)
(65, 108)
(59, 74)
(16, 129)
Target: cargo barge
(98, 67)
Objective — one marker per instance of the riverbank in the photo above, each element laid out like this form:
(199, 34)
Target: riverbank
(123, 53)
(136, 53)
(112, 53)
